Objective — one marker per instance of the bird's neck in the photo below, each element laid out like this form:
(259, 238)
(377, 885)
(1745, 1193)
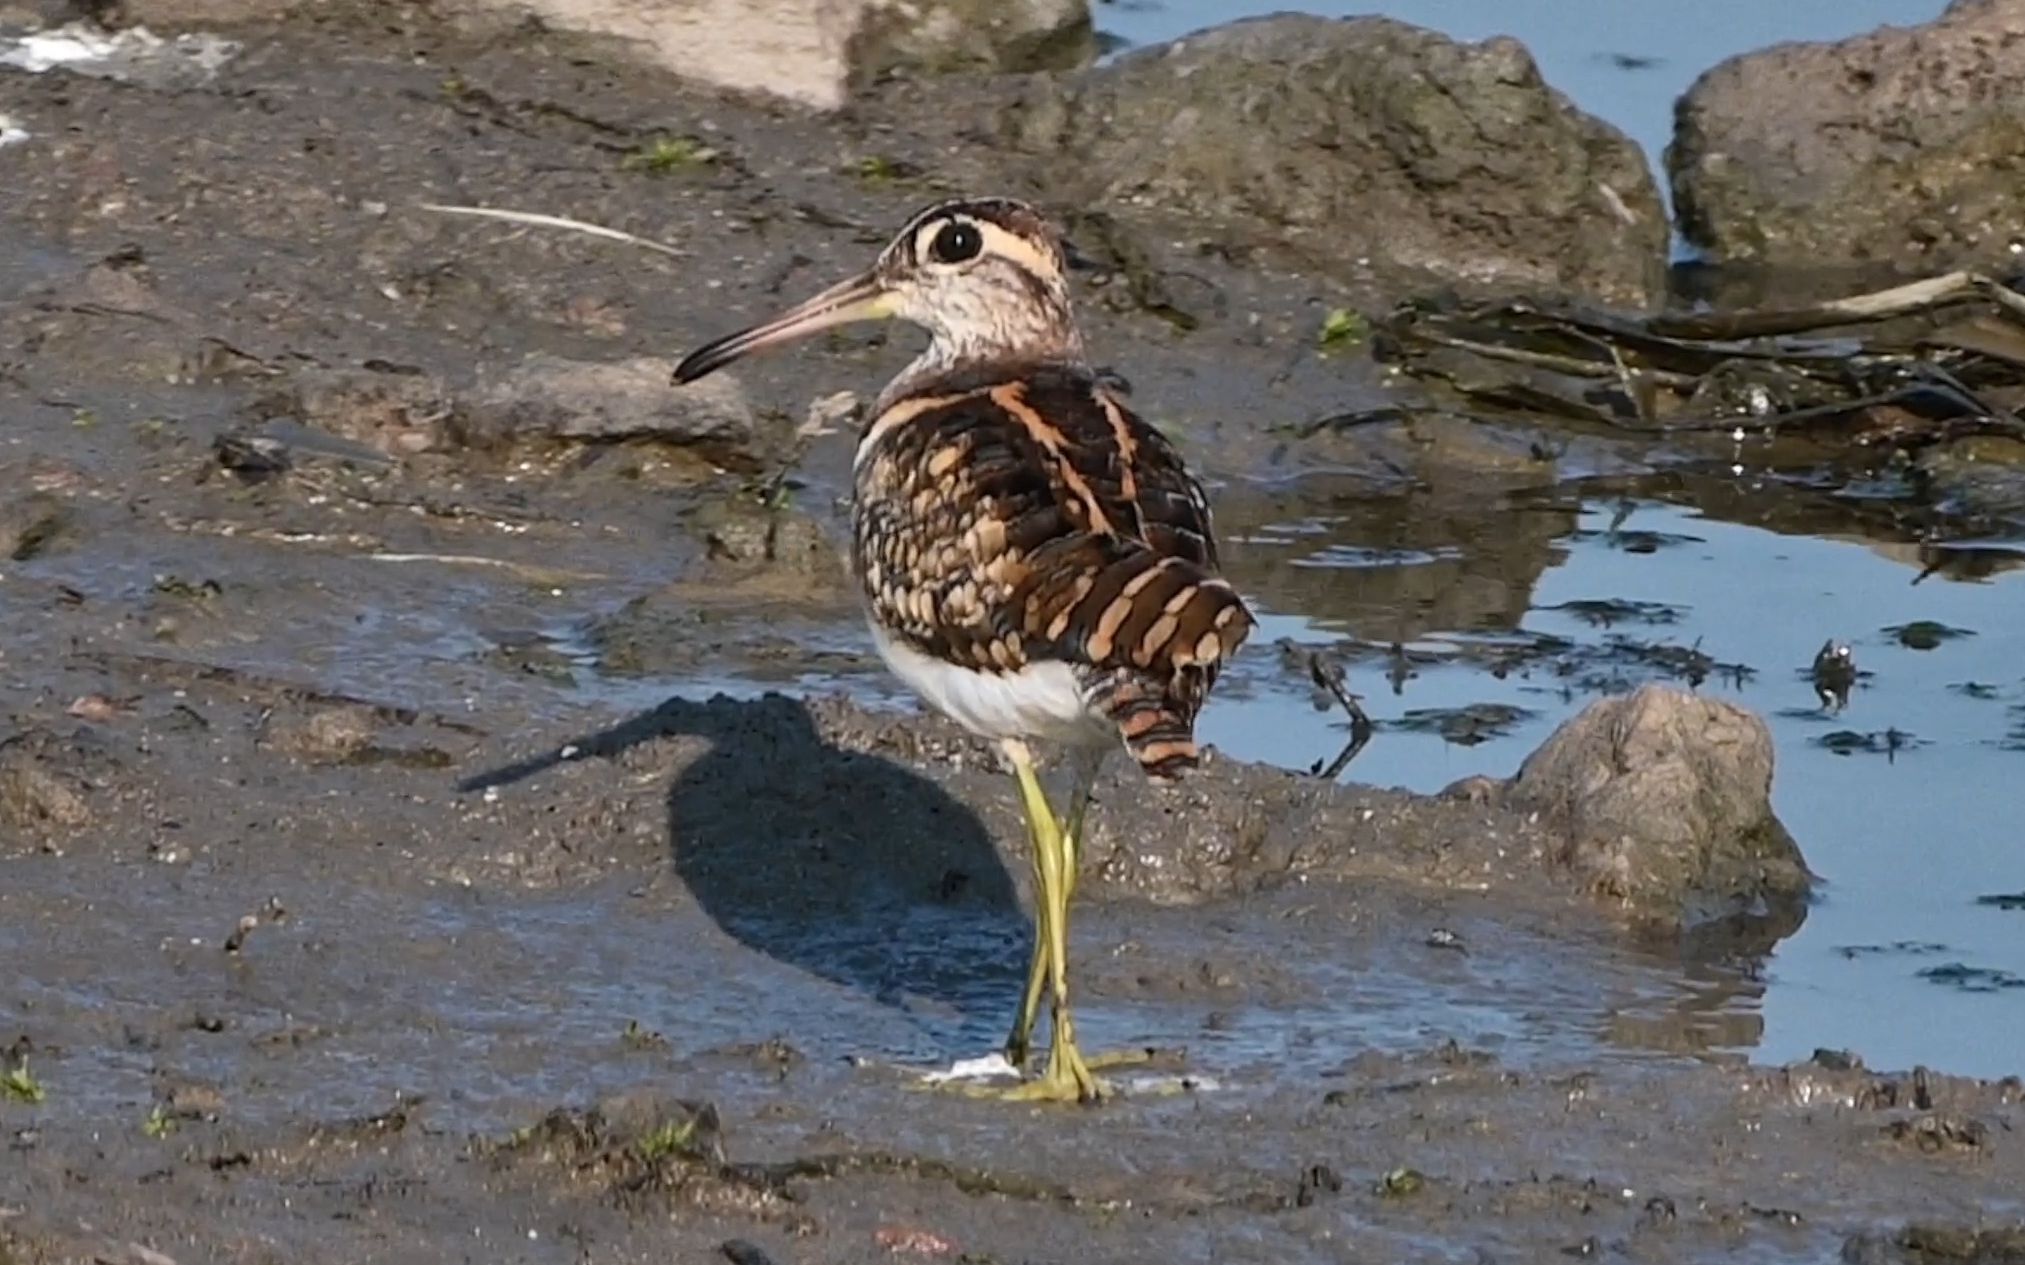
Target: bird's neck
(974, 352)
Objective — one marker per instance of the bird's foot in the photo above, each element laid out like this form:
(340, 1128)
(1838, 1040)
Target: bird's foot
(1070, 1076)
(1066, 1078)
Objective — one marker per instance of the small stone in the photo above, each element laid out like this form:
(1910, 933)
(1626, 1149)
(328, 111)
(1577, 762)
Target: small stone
(187, 1100)
(28, 524)
(830, 414)
(93, 707)
(47, 780)
(905, 1240)
(333, 735)
(1316, 1181)
(393, 414)
(1443, 938)
(30, 796)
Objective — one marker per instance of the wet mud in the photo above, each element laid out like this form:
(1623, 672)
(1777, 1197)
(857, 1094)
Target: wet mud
(364, 896)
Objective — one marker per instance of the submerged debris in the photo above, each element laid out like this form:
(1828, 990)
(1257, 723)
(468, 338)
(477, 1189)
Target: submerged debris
(1605, 612)
(1916, 392)
(1327, 674)
(1973, 979)
(1925, 634)
(1884, 742)
(1834, 675)
(29, 524)
(1913, 947)
(1464, 726)
(1716, 371)
(1553, 664)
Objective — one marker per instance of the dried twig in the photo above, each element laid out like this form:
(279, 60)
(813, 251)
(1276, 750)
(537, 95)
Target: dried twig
(1857, 309)
(525, 570)
(1329, 676)
(539, 220)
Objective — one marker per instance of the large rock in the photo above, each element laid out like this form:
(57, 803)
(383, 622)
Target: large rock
(1661, 800)
(1903, 145)
(817, 51)
(1376, 145)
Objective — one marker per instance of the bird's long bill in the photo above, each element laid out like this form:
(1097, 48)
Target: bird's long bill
(862, 298)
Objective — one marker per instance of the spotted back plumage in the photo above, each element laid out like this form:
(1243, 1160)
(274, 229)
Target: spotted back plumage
(1018, 514)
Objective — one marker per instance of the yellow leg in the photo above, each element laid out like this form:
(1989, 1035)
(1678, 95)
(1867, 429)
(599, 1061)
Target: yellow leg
(1067, 1077)
(1020, 1042)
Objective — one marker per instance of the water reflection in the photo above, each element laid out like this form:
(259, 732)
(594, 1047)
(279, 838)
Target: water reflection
(1494, 604)
(1396, 566)
(1715, 1014)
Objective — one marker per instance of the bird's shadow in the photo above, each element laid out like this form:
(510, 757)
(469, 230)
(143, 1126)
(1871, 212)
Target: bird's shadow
(844, 864)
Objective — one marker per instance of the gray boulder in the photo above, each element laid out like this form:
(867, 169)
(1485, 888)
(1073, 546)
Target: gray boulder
(1379, 149)
(1904, 146)
(939, 36)
(1661, 801)
(549, 397)
(812, 52)
(817, 52)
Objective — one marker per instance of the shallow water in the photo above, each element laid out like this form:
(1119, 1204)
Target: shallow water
(1906, 841)
(1625, 62)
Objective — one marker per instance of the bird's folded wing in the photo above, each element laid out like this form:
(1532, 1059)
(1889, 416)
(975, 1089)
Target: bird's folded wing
(1036, 517)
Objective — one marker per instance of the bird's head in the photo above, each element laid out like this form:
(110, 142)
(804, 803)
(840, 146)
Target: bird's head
(986, 277)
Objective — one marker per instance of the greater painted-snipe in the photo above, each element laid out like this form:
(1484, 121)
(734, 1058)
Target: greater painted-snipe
(1037, 562)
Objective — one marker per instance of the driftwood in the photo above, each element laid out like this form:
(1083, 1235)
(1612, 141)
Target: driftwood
(1936, 358)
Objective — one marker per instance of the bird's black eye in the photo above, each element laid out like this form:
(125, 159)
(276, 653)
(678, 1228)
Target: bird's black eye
(956, 242)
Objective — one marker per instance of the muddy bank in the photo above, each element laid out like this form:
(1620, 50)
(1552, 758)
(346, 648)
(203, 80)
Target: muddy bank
(312, 979)
(858, 808)
(365, 896)
(1416, 1155)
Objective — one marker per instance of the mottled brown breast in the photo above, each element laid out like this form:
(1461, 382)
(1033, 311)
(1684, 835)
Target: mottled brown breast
(1030, 515)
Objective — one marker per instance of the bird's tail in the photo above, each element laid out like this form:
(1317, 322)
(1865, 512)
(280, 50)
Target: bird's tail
(1155, 707)
(1160, 735)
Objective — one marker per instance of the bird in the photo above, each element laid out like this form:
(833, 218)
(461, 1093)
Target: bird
(1036, 561)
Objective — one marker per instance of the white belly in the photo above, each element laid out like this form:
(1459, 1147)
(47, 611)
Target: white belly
(1041, 700)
